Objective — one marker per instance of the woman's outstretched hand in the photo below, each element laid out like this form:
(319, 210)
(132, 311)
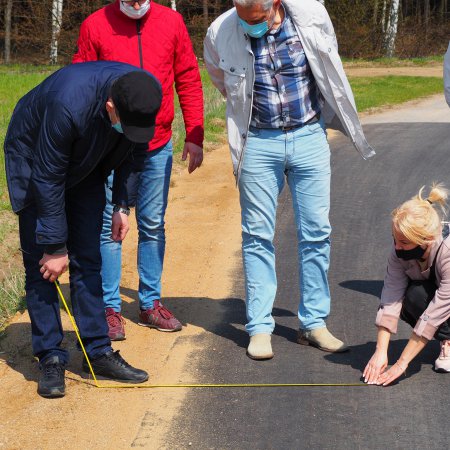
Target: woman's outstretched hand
(375, 367)
(394, 372)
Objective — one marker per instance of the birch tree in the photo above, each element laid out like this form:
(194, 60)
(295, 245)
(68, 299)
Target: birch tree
(383, 18)
(391, 29)
(8, 13)
(57, 9)
(173, 4)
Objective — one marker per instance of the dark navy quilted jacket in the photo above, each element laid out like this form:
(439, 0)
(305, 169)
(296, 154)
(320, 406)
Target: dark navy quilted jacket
(58, 134)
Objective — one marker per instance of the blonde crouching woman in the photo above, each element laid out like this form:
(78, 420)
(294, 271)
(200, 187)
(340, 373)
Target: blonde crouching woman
(416, 287)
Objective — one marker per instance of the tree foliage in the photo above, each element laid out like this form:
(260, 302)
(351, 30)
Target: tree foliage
(361, 26)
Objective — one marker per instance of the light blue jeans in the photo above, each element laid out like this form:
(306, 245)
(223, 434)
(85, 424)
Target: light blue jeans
(150, 210)
(303, 156)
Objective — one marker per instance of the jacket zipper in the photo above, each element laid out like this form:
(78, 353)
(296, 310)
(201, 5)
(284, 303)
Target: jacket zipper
(139, 34)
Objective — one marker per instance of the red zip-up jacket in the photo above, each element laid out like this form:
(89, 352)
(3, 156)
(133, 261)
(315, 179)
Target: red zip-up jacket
(108, 34)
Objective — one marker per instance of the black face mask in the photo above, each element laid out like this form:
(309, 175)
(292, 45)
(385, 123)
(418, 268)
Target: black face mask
(415, 253)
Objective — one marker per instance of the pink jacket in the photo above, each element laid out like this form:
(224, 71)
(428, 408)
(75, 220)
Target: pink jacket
(396, 280)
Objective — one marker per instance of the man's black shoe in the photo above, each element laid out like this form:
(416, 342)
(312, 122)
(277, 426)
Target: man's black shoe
(51, 382)
(113, 367)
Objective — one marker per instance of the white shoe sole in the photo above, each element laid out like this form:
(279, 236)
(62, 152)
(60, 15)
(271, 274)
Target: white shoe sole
(260, 357)
(159, 329)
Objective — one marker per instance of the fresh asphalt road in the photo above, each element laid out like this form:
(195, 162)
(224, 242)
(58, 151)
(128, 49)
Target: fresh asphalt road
(413, 147)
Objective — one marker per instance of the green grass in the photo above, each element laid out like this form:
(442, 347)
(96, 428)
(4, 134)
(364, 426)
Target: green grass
(374, 92)
(214, 117)
(15, 81)
(12, 295)
(394, 62)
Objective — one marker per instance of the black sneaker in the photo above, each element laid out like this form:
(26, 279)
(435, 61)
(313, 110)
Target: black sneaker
(51, 382)
(112, 366)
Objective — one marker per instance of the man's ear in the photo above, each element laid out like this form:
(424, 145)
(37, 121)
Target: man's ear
(109, 105)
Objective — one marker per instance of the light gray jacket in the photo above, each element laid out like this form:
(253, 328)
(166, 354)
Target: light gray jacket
(230, 64)
(447, 75)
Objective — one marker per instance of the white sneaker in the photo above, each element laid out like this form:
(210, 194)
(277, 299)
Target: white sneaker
(442, 364)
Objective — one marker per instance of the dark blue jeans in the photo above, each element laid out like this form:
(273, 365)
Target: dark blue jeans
(84, 211)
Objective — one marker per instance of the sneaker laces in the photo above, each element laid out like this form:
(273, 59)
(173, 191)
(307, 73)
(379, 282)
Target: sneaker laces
(445, 349)
(117, 359)
(53, 370)
(162, 311)
(115, 319)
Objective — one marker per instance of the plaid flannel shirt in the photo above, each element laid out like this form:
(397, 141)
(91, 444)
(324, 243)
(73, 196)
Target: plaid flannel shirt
(285, 91)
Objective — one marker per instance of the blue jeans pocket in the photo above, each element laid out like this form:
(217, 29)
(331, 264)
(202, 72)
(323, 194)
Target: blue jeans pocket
(254, 132)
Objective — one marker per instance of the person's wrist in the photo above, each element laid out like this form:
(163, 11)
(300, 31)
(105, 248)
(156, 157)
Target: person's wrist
(380, 349)
(55, 249)
(403, 364)
(121, 209)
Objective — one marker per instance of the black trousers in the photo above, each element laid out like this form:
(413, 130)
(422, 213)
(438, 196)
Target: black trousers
(417, 298)
(84, 210)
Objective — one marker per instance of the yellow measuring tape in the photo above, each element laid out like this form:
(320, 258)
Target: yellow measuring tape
(154, 386)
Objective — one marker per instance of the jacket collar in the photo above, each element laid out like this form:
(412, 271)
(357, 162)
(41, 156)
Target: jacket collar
(301, 14)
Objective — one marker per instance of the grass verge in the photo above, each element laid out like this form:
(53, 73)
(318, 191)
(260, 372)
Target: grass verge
(375, 92)
(14, 83)
(394, 62)
(12, 295)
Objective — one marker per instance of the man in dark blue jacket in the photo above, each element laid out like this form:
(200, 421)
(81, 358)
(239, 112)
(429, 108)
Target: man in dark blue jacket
(64, 138)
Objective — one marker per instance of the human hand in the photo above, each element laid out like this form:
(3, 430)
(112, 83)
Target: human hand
(392, 374)
(52, 266)
(376, 365)
(119, 226)
(195, 155)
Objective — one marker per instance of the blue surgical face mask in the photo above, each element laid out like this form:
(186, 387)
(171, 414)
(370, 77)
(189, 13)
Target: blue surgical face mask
(118, 127)
(255, 31)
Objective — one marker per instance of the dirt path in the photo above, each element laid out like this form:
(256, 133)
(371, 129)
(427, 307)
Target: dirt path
(203, 239)
(203, 251)
(431, 71)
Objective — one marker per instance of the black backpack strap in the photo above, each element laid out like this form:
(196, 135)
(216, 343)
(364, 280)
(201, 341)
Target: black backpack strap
(432, 276)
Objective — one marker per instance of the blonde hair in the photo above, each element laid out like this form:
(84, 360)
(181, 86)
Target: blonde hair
(417, 219)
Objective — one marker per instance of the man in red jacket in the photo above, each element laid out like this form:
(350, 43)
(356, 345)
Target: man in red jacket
(155, 38)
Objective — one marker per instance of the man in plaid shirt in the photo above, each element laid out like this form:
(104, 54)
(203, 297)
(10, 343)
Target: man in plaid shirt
(276, 62)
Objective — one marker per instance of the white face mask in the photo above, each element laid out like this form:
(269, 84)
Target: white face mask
(132, 13)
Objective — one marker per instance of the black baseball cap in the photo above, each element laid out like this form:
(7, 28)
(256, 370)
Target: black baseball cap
(137, 97)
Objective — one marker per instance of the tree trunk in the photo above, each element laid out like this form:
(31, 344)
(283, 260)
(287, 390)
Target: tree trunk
(57, 9)
(173, 4)
(375, 12)
(426, 13)
(383, 17)
(8, 12)
(391, 30)
(205, 15)
(216, 8)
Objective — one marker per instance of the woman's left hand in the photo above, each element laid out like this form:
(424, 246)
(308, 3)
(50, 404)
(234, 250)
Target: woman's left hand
(392, 373)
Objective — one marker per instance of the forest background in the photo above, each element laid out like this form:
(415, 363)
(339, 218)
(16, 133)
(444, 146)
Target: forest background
(45, 31)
